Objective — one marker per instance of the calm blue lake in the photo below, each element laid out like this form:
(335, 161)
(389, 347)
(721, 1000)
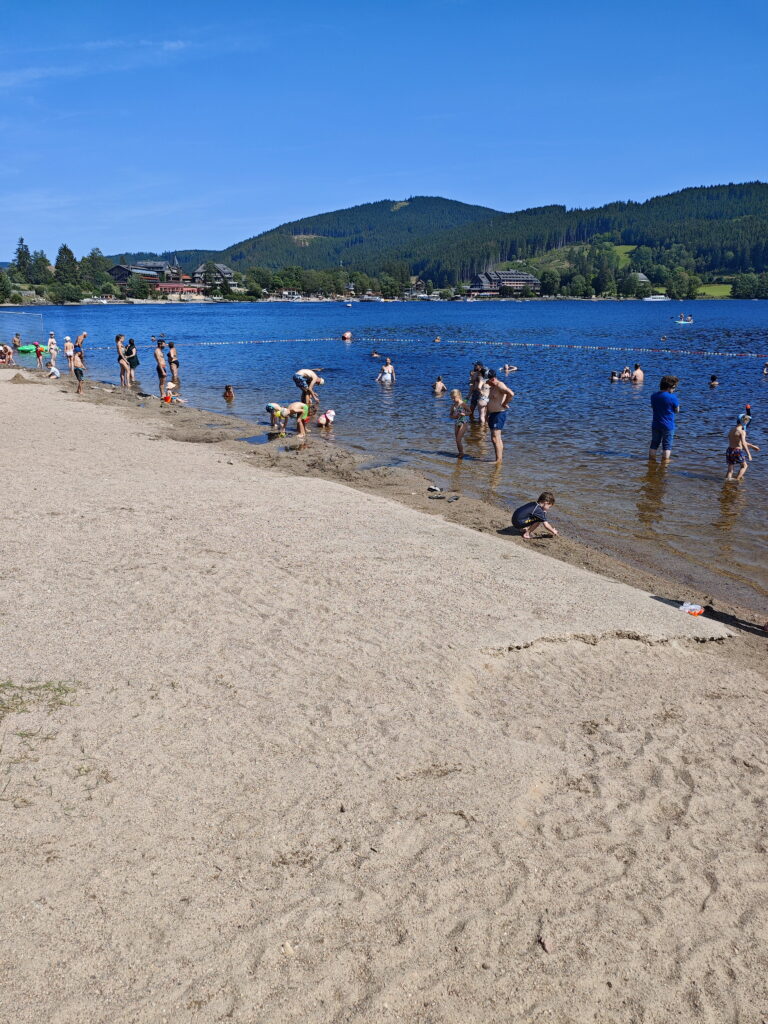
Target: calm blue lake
(569, 430)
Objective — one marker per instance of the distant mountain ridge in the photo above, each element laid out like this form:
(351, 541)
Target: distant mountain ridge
(724, 227)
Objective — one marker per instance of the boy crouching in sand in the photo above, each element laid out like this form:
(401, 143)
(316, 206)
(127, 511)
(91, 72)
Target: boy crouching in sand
(530, 517)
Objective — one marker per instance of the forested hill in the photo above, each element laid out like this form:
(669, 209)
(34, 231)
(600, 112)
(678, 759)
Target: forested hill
(357, 237)
(723, 227)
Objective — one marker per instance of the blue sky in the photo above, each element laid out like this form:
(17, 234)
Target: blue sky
(154, 126)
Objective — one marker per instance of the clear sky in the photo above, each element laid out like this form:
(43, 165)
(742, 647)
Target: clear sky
(177, 125)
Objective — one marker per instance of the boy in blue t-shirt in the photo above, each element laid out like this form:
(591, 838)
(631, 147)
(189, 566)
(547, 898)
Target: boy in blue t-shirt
(530, 517)
(664, 405)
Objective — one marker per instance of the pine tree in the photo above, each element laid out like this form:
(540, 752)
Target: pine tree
(22, 258)
(67, 271)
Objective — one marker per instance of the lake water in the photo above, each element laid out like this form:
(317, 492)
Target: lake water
(569, 430)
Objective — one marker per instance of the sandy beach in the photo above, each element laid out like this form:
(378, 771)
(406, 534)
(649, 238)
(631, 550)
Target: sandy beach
(283, 740)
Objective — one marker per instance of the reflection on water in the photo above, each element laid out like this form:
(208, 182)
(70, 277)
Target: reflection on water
(568, 430)
(650, 496)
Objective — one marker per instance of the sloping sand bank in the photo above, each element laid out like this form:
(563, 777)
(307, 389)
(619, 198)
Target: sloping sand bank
(278, 750)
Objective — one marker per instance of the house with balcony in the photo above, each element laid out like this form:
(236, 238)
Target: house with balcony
(220, 273)
(491, 281)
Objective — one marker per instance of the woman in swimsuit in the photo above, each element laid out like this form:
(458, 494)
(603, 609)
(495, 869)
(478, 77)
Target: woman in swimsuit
(387, 373)
(122, 361)
(485, 397)
(69, 352)
(173, 361)
(133, 360)
(460, 414)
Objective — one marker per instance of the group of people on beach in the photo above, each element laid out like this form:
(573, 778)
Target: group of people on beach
(486, 404)
(489, 398)
(665, 406)
(307, 381)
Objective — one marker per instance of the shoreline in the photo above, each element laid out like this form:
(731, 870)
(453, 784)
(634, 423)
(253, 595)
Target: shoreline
(278, 747)
(365, 471)
(204, 301)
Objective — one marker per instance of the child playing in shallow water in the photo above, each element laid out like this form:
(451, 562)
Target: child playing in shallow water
(277, 417)
(530, 517)
(460, 413)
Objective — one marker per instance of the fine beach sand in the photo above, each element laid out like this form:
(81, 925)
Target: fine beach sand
(278, 748)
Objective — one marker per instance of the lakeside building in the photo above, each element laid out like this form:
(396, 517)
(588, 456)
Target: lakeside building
(122, 273)
(489, 282)
(221, 274)
(165, 270)
(179, 288)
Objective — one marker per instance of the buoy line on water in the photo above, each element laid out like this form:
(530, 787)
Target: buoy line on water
(461, 341)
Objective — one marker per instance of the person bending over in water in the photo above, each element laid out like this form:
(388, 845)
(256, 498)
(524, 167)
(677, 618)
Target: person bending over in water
(229, 393)
(325, 419)
(461, 416)
(387, 373)
(438, 387)
(277, 417)
(307, 381)
(738, 451)
(528, 518)
(301, 411)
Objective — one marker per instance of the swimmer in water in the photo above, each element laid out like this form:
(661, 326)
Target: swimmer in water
(387, 373)
(614, 377)
(508, 368)
(229, 393)
(438, 388)
(713, 381)
(375, 354)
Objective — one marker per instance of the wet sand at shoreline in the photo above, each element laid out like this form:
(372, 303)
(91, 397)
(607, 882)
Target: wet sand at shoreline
(278, 749)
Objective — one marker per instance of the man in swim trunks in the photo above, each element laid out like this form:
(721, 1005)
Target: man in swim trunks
(306, 381)
(162, 369)
(79, 368)
(738, 451)
(301, 411)
(80, 345)
(498, 400)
